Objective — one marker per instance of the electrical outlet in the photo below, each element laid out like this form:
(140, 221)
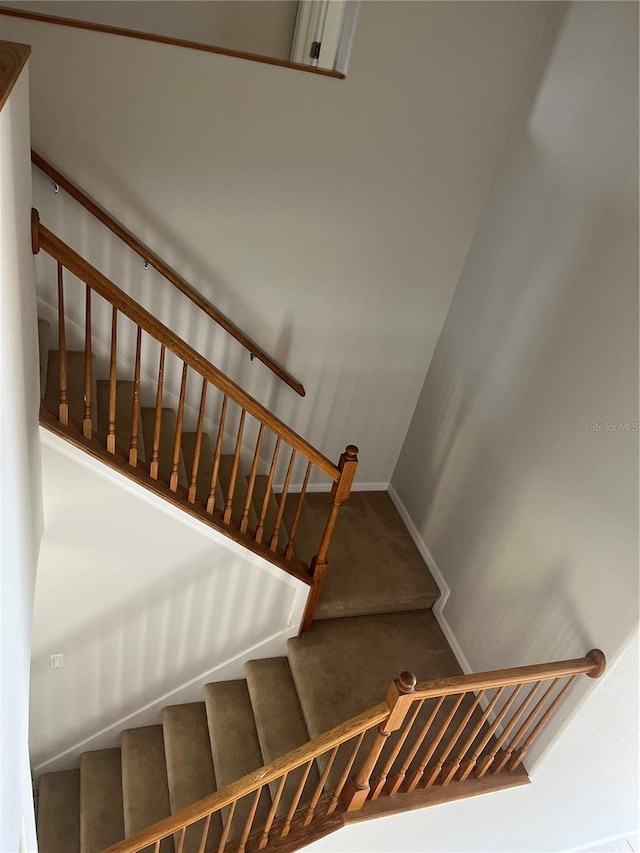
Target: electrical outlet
(56, 661)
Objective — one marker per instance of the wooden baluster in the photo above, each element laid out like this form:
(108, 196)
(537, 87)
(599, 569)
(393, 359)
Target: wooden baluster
(205, 833)
(435, 772)
(227, 827)
(378, 785)
(157, 419)
(197, 447)
(486, 762)
(415, 776)
(470, 764)
(87, 426)
(520, 753)
(234, 470)
(320, 787)
(177, 441)
(345, 774)
(211, 500)
(267, 493)
(249, 821)
(283, 498)
(296, 799)
(393, 786)
(244, 521)
(135, 405)
(180, 847)
(156, 846)
(399, 699)
(63, 405)
(340, 490)
(451, 769)
(272, 812)
(111, 428)
(296, 519)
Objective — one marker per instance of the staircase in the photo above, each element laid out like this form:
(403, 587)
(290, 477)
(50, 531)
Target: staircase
(303, 744)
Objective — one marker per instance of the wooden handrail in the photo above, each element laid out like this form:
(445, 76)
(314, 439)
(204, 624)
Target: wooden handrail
(43, 239)
(252, 781)
(593, 665)
(160, 266)
(13, 58)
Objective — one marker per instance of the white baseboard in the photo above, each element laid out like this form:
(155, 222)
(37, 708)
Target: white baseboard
(438, 577)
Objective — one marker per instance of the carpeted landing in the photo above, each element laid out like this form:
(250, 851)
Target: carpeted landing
(373, 621)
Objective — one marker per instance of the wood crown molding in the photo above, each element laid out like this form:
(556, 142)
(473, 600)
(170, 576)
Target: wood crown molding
(13, 58)
(193, 45)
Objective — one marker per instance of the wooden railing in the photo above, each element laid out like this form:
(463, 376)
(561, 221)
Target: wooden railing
(160, 266)
(276, 447)
(456, 731)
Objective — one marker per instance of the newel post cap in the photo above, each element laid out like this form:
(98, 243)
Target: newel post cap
(406, 682)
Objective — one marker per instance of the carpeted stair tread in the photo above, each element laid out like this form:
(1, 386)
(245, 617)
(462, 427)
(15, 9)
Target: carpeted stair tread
(101, 814)
(234, 743)
(59, 812)
(240, 492)
(374, 565)
(190, 766)
(44, 331)
(272, 511)
(168, 423)
(124, 406)
(145, 789)
(279, 720)
(75, 385)
(205, 467)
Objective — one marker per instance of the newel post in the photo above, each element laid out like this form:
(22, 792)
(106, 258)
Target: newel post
(399, 700)
(340, 490)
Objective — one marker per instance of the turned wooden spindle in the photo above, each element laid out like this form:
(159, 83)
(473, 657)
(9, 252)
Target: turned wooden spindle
(249, 822)
(311, 810)
(399, 699)
(296, 518)
(283, 497)
(87, 426)
(469, 765)
(156, 846)
(181, 835)
(395, 782)
(205, 834)
(63, 405)
(379, 783)
(264, 839)
(177, 439)
(335, 799)
(486, 763)
(226, 829)
(435, 772)
(234, 470)
(211, 499)
(244, 521)
(111, 426)
(135, 403)
(296, 799)
(340, 490)
(157, 419)
(267, 493)
(414, 777)
(452, 768)
(197, 447)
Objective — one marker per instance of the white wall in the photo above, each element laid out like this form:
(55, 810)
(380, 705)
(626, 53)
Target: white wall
(530, 511)
(146, 605)
(330, 219)
(20, 486)
(264, 27)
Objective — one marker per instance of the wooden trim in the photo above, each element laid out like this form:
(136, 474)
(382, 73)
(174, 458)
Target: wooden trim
(169, 274)
(119, 462)
(591, 664)
(13, 58)
(65, 255)
(193, 45)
